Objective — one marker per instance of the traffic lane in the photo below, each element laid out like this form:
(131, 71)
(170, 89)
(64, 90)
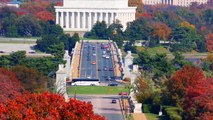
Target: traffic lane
(102, 104)
(87, 69)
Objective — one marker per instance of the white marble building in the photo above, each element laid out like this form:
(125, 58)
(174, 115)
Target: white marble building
(81, 15)
(173, 2)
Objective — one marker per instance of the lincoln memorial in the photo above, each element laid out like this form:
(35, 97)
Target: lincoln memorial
(81, 15)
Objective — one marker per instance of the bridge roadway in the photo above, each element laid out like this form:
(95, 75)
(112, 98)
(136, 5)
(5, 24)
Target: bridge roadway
(94, 65)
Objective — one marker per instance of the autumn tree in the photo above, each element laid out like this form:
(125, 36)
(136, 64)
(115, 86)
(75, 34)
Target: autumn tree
(209, 42)
(161, 31)
(182, 80)
(31, 79)
(198, 101)
(143, 89)
(9, 85)
(47, 106)
(187, 25)
(45, 16)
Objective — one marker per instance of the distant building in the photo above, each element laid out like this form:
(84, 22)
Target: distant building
(14, 3)
(173, 2)
(81, 15)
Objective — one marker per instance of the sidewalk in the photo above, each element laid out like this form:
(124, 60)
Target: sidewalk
(139, 116)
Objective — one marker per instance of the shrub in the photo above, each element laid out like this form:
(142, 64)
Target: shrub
(172, 113)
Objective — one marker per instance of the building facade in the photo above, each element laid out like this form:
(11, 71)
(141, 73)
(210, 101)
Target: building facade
(81, 15)
(173, 2)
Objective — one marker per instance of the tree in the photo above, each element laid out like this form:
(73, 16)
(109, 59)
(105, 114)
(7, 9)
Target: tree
(114, 32)
(98, 31)
(57, 50)
(181, 81)
(144, 88)
(198, 101)
(178, 60)
(186, 24)
(161, 31)
(72, 41)
(185, 38)
(10, 86)
(27, 25)
(209, 42)
(31, 79)
(47, 106)
(45, 16)
(46, 41)
(17, 58)
(138, 30)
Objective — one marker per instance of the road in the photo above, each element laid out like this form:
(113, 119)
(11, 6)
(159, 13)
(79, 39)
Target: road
(102, 105)
(94, 65)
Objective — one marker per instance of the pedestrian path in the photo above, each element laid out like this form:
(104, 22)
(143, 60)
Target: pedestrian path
(76, 61)
(115, 58)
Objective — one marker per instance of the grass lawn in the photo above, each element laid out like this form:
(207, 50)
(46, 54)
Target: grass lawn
(151, 116)
(96, 90)
(159, 49)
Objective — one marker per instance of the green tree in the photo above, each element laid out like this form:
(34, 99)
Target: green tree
(138, 30)
(98, 31)
(185, 38)
(57, 50)
(114, 32)
(18, 58)
(71, 41)
(208, 16)
(28, 25)
(46, 41)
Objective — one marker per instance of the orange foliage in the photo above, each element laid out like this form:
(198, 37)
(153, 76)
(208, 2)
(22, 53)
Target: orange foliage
(162, 31)
(187, 25)
(209, 42)
(46, 106)
(45, 16)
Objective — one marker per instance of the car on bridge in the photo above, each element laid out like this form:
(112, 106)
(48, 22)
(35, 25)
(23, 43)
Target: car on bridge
(93, 62)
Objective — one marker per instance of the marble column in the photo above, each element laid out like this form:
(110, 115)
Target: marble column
(107, 19)
(101, 16)
(67, 19)
(62, 19)
(78, 20)
(111, 18)
(72, 20)
(95, 18)
(89, 20)
(84, 20)
(57, 18)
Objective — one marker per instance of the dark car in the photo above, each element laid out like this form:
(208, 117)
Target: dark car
(32, 52)
(114, 101)
(113, 84)
(111, 69)
(99, 69)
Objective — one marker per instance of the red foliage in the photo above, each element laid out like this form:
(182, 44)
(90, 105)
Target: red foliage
(45, 16)
(182, 80)
(59, 4)
(35, 7)
(9, 85)
(209, 42)
(47, 106)
(199, 99)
